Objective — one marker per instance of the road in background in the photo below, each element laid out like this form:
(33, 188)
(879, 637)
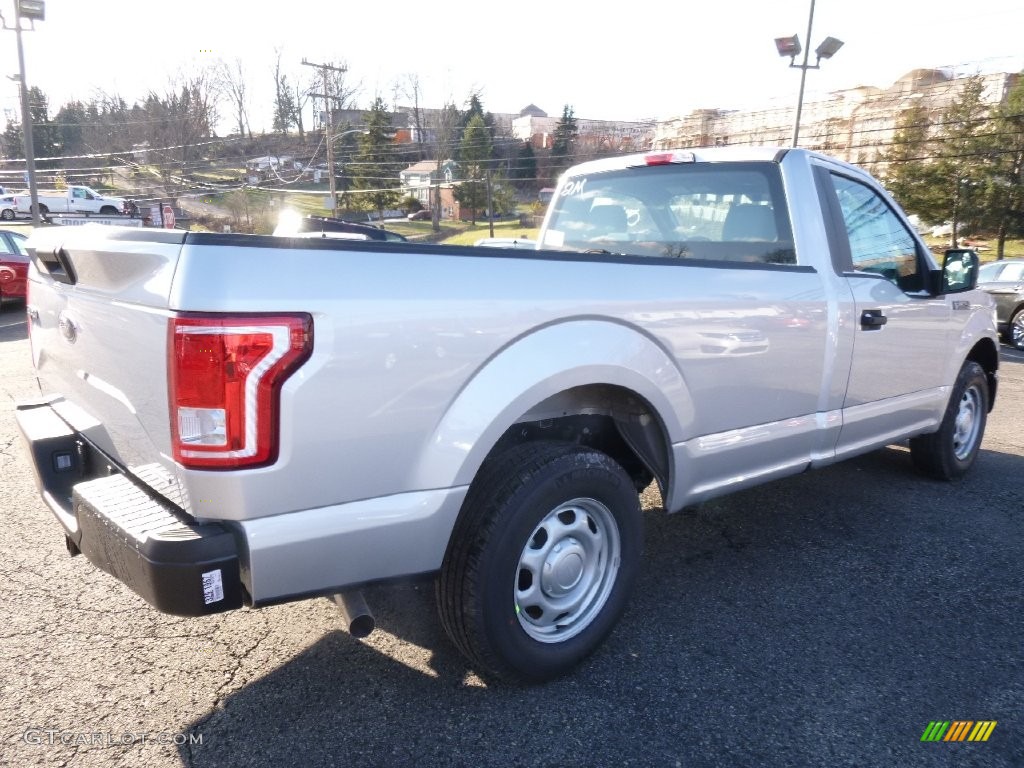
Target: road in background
(825, 619)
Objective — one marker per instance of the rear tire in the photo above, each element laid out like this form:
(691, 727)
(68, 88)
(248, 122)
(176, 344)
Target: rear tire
(7, 214)
(541, 561)
(1015, 330)
(948, 453)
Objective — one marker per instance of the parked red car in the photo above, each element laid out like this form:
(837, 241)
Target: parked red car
(13, 266)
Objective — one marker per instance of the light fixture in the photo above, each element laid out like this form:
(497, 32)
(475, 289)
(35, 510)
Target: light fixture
(788, 46)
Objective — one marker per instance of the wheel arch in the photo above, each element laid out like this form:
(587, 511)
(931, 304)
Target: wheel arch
(986, 354)
(596, 382)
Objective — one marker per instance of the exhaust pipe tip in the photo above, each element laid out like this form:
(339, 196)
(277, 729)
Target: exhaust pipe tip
(358, 620)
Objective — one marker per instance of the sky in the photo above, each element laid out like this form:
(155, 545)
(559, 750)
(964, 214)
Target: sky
(608, 61)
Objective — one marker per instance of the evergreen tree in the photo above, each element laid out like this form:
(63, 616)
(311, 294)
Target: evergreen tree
(45, 135)
(474, 153)
(524, 170)
(563, 146)
(964, 154)
(909, 173)
(14, 141)
(284, 105)
(70, 119)
(1005, 186)
(374, 170)
(475, 108)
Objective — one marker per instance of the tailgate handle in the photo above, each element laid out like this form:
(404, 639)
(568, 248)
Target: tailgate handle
(58, 265)
(872, 319)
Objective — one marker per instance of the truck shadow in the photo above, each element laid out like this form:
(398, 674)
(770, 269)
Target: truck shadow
(828, 608)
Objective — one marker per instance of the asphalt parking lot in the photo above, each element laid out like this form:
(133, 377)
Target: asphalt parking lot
(825, 619)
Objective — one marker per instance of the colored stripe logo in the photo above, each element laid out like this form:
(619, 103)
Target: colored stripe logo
(959, 730)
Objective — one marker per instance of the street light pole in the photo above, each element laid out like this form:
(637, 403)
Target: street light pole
(35, 11)
(790, 46)
(803, 77)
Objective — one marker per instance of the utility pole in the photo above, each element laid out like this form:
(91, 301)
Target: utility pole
(490, 204)
(31, 10)
(324, 69)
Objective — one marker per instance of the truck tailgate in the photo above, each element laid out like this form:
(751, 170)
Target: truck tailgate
(97, 306)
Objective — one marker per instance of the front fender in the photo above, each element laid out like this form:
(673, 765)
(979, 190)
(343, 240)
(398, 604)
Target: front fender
(537, 365)
(979, 324)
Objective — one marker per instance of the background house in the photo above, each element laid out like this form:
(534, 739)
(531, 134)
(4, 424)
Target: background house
(418, 179)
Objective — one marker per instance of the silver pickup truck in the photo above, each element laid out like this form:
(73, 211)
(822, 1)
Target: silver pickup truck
(231, 421)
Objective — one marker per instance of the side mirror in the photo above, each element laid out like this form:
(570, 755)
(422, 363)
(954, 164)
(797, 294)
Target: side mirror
(959, 272)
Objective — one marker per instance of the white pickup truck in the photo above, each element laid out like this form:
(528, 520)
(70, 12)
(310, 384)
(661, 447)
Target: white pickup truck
(75, 199)
(233, 420)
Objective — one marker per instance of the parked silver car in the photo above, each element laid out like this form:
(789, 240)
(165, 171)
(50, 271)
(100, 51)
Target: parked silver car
(1005, 281)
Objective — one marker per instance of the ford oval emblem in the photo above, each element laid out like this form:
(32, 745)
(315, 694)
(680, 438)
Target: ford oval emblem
(67, 327)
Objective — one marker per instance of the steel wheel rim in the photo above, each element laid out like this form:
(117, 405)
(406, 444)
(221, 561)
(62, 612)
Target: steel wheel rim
(967, 424)
(567, 570)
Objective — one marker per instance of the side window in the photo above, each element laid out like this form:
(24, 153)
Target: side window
(879, 242)
(78, 193)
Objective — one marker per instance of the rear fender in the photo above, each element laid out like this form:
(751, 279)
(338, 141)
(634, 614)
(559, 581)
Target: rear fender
(537, 366)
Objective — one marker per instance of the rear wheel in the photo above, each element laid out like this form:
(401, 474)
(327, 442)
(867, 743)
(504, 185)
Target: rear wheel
(7, 214)
(1015, 330)
(948, 453)
(542, 560)
(43, 210)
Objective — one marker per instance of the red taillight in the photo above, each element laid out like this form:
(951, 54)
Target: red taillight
(225, 374)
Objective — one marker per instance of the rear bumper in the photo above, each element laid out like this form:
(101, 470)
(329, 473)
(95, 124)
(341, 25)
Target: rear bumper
(175, 564)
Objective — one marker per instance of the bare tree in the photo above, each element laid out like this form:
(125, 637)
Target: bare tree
(230, 79)
(301, 99)
(446, 130)
(342, 89)
(184, 113)
(409, 86)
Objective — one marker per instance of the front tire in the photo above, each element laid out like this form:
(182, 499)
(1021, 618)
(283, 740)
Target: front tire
(109, 210)
(541, 562)
(948, 453)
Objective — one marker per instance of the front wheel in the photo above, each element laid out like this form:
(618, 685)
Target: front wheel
(948, 453)
(541, 561)
(109, 210)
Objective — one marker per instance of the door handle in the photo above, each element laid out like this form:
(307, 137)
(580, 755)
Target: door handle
(872, 320)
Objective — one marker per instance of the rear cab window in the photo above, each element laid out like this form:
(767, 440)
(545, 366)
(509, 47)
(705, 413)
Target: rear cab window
(713, 211)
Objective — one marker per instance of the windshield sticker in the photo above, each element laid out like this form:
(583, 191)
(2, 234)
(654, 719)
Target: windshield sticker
(555, 238)
(573, 188)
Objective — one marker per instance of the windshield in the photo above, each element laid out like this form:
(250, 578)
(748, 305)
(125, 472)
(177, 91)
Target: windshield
(733, 211)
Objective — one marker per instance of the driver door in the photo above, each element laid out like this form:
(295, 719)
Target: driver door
(899, 330)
